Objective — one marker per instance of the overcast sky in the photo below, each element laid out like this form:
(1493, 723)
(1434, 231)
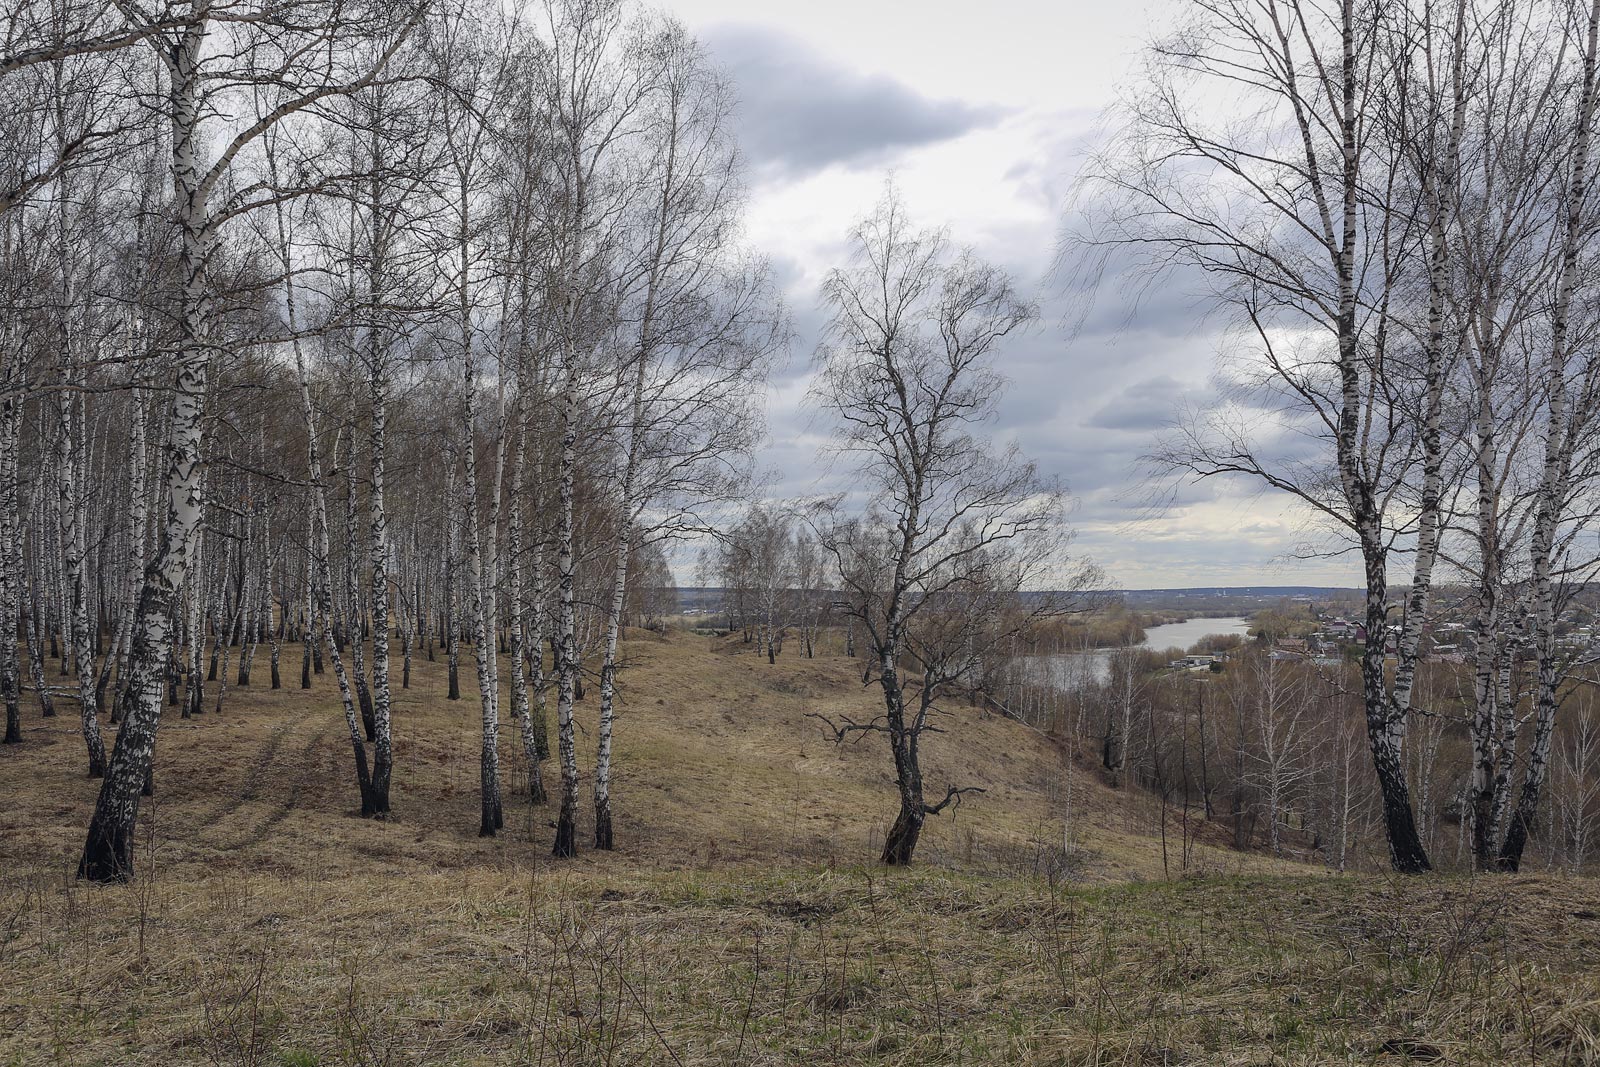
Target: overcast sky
(982, 114)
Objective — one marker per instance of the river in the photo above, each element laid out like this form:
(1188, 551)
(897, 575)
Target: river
(1073, 670)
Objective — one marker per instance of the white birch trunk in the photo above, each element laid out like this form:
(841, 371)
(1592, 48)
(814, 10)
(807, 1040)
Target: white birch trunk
(383, 750)
(1555, 478)
(519, 637)
(71, 491)
(319, 569)
(491, 815)
(566, 620)
(108, 851)
(11, 404)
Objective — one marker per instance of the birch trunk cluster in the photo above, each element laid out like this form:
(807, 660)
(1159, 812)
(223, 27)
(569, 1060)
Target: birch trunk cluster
(377, 330)
(1401, 241)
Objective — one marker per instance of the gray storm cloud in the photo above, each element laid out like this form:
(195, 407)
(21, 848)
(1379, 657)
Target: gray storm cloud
(801, 112)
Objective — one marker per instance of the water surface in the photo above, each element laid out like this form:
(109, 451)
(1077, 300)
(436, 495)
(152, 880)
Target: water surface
(1074, 670)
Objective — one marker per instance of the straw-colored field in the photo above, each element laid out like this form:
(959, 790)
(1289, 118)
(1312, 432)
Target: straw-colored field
(742, 920)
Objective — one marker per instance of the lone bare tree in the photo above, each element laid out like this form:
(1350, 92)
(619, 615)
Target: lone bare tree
(937, 564)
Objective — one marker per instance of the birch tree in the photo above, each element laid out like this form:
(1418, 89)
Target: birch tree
(474, 67)
(385, 130)
(1572, 390)
(1324, 228)
(591, 97)
(698, 328)
(13, 382)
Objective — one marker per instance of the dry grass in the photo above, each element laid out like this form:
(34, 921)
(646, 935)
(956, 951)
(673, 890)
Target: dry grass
(738, 924)
(716, 762)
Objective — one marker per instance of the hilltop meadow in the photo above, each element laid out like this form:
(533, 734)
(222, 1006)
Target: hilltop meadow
(742, 919)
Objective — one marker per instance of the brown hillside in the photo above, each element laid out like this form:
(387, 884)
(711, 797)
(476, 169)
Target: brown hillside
(716, 761)
(742, 922)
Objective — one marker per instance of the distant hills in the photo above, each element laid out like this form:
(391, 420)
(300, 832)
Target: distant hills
(1275, 591)
(699, 600)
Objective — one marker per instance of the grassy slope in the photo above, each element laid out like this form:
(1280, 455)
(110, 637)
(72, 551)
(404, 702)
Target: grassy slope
(739, 923)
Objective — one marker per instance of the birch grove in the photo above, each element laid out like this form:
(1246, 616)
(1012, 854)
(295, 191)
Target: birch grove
(427, 337)
(216, 217)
